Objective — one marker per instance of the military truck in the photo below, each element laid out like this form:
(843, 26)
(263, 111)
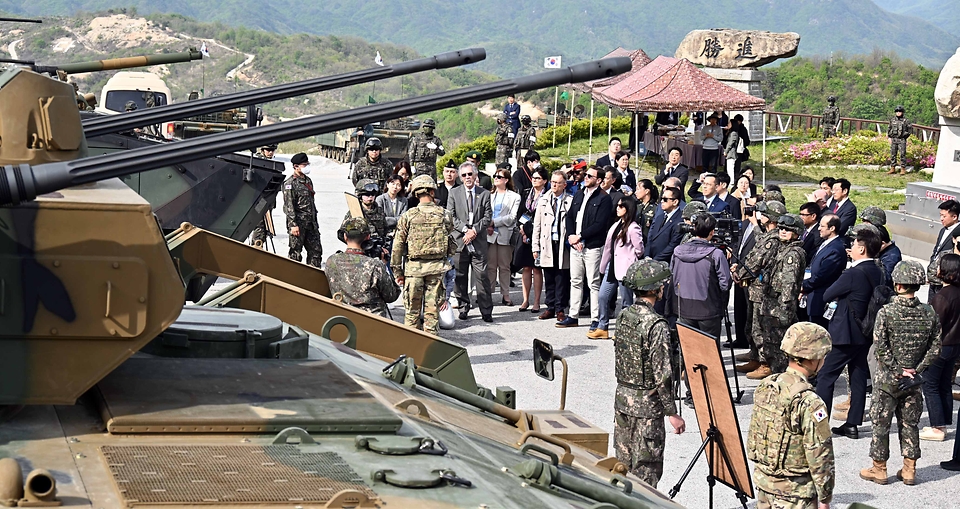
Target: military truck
(209, 416)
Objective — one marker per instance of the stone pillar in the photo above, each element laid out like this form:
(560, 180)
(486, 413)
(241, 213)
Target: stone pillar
(946, 171)
(744, 80)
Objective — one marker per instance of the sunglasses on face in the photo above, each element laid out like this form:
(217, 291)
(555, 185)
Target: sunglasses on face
(500, 177)
(667, 199)
(470, 174)
(590, 176)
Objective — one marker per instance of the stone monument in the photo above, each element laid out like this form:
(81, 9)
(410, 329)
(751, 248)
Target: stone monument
(733, 56)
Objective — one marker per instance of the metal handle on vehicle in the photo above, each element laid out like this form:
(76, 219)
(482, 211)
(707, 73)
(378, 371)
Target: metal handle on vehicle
(542, 450)
(351, 340)
(621, 480)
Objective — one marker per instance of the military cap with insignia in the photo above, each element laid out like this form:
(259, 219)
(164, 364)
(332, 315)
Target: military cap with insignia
(299, 158)
(473, 154)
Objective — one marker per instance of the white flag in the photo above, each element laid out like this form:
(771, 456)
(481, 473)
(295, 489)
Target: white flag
(379, 59)
(552, 62)
(203, 50)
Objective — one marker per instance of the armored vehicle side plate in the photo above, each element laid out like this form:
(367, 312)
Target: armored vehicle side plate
(165, 395)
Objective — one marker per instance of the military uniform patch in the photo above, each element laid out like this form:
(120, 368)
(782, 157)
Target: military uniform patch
(288, 186)
(820, 414)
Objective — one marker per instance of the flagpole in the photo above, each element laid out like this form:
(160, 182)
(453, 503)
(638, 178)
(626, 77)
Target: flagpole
(556, 100)
(590, 144)
(573, 99)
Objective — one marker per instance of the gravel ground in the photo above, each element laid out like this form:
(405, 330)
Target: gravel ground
(501, 355)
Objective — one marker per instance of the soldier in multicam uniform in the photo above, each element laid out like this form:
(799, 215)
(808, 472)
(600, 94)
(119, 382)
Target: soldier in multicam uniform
(503, 139)
(898, 132)
(789, 439)
(526, 137)
(831, 117)
(644, 375)
(779, 309)
(373, 165)
(423, 149)
(301, 211)
(259, 236)
(422, 246)
(907, 336)
(359, 280)
(754, 272)
(368, 191)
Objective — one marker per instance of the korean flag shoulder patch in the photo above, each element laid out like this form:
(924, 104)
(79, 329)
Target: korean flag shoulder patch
(820, 414)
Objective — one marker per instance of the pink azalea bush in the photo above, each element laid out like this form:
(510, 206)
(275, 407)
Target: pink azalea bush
(864, 147)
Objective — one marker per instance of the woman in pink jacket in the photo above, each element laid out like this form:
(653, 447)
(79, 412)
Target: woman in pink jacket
(624, 246)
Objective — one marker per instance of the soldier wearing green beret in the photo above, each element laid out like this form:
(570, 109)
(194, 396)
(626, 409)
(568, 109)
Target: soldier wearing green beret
(359, 280)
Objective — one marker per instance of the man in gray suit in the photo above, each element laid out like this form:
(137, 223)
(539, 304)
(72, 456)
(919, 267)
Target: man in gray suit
(469, 205)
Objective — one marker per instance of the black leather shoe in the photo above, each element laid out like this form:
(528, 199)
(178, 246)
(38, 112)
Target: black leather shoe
(847, 430)
(736, 344)
(463, 312)
(488, 318)
(952, 465)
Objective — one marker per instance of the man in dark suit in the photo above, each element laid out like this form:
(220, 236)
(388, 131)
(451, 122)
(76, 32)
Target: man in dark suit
(851, 292)
(450, 180)
(609, 159)
(842, 206)
(664, 234)
(949, 213)
(711, 188)
(512, 110)
(825, 268)
(470, 206)
(674, 169)
(810, 238)
(733, 203)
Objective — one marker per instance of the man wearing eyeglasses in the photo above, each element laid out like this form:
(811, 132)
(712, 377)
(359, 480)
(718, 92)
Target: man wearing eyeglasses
(587, 224)
(470, 207)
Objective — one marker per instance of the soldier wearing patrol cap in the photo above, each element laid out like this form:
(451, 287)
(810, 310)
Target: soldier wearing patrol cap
(693, 208)
(907, 336)
(373, 165)
(503, 138)
(754, 273)
(259, 236)
(422, 248)
(898, 132)
(423, 149)
(789, 439)
(301, 211)
(644, 375)
(367, 190)
(779, 309)
(359, 280)
(526, 137)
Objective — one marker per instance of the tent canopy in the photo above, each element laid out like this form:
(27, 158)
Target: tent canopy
(670, 84)
(638, 58)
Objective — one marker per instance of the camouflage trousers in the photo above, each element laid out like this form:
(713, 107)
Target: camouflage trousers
(309, 238)
(259, 235)
(829, 131)
(424, 168)
(772, 336)
(907, 407)
(769, 501)
(423, 292)
(756, 331)
(638, 443)
(503, 153)
(898, 146)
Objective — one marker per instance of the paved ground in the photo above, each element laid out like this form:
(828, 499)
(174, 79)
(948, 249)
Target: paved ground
(501, 355)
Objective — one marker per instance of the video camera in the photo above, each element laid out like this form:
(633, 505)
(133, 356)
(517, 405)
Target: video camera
(374, 246)
(727, 232)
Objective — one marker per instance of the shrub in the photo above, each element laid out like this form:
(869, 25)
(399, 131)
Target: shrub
(864, 147)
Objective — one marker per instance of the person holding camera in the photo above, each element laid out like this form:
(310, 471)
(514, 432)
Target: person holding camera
(356, 279)
(367, 191)
(701, 277)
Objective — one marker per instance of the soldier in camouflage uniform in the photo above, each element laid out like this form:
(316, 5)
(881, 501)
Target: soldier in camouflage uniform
(789, 439)
(779, 309)
(368, 191)
(907, 336)
(359, 280)
(754, 272)
(373, 166)
(692, 209)
(898, 132)
(259, 236)
(503, 139)
(644, 375)
(422, 246)
(831, 117)
(301, 211)
(423, 149)
(526, 137)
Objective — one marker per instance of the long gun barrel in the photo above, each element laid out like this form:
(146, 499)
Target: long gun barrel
(22, 20)
(115, 123)
(24, 182)
(128, 62)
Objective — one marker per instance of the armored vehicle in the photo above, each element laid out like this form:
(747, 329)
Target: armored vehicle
(246, 398)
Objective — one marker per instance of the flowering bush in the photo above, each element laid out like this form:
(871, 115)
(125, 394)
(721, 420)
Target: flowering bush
(864, 147)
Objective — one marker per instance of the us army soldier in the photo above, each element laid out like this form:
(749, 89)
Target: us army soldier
(789, 440)
(644, 376)
(301, 211)
(526, 137)
(898, 132)
(259, 236)
(503, 139)
(423, 149)
(373, 165)
(780, 297)
(422, 246)
(359, 280)
(831, 117)
(907, 337)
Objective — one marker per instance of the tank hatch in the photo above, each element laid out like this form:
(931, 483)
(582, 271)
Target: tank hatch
(202, 332)
(165, 395)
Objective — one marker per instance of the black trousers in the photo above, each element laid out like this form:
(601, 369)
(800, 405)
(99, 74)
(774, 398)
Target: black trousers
(710, 160)
(843, 355)
(557, 285)
(742, 314)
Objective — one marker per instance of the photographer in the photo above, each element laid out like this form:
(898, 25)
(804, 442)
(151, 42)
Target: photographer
(701, 277)
(356, 279)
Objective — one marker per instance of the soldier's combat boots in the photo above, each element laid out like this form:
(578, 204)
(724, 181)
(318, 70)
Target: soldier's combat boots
(760, 373)
(748, 367)
(877, 473)
(908, 474)
(843, 405)
(893, 169)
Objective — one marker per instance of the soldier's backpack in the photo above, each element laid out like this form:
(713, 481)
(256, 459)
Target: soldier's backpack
(428, 234)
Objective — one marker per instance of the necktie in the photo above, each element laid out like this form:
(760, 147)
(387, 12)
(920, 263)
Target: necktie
(470, 193)
(836, 205)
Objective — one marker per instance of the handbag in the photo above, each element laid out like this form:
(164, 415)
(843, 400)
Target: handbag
(740, 146)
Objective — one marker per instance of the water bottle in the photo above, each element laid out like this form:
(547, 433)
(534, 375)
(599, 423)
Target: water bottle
(831, 309)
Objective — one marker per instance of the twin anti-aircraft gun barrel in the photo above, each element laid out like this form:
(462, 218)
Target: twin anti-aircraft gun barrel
(24, 182)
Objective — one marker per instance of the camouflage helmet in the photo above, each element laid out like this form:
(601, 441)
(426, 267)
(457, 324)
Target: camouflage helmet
(693, 208)
(356, 224)
(899, 108)
(772, 209)
(271, 147)
(933, 269)
(525, 119)
(373, 143)
(832, 99)
(874, 215)
(909, 272)
(791, 223)
(857, 228)
(367, 186)
(422, 182)
(429, 123)
(501, 117)
(806, 340)
(646, 274)
(130, 106)
(771, 196)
